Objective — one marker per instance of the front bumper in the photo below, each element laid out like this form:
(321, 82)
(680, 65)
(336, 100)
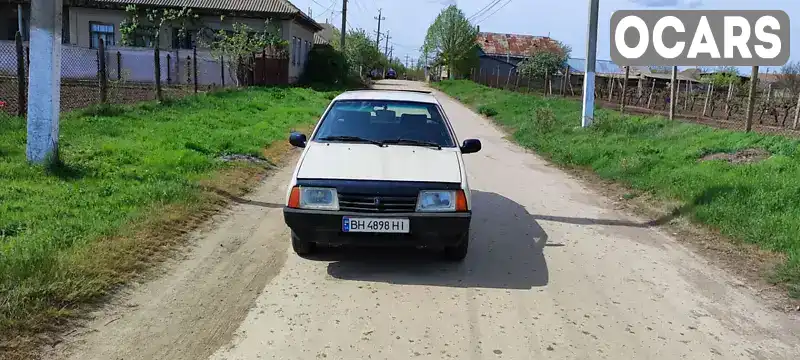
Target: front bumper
(427, 229)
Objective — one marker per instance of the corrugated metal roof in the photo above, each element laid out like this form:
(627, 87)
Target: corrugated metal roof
(601, 66)
(512, 44)
(266, 6)
(319, 39)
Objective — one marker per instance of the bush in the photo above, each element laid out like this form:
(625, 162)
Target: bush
(487, 110)
(544, 119)
(326, 65)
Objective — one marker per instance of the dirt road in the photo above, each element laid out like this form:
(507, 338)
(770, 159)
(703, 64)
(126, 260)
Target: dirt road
(554, 272)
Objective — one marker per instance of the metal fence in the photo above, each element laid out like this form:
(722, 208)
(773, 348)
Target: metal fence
(122, 75)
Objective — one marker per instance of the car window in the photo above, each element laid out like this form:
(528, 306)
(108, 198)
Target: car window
(380, 120)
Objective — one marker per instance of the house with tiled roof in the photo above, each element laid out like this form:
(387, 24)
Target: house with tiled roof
(503, 52)
(86, 22)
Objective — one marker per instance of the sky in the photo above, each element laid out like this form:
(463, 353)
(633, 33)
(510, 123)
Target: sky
(566, 20)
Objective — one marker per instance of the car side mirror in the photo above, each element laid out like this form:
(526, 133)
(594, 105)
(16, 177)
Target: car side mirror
(471, 146)
(297, 139)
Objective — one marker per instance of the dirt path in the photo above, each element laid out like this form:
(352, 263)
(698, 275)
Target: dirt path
(195, 308)
(554, 272)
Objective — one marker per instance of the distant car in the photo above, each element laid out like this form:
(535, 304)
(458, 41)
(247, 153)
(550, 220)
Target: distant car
(391, 74)
(381, 168)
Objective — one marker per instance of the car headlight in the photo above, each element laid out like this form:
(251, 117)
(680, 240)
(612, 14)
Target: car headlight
(436, 200)
(318, 198)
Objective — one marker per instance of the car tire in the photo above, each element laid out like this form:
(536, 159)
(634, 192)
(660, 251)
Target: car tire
(458, 252)
(302, 248)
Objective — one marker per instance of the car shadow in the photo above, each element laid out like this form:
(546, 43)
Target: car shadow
(506, 252)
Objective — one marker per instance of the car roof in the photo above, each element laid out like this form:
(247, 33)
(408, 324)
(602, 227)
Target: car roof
(393, 95)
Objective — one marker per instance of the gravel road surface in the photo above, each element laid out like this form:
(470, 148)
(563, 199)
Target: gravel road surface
(554, 272)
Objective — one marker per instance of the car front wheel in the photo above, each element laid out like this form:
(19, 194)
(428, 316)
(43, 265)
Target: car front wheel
(301, 247)
(458, 252)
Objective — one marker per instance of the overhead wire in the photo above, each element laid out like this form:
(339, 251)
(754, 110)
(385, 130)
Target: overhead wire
(493, 12)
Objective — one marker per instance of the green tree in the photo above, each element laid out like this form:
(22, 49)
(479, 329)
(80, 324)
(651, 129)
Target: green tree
(147, 24)
(545, 59)
(451, 40)
(238, 46)
(326, 66)
(361, 52)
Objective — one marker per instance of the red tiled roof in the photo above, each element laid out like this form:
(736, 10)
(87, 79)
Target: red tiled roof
(512, 44)
(768, 78)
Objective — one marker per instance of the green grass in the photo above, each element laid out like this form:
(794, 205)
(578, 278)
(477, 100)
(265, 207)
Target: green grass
(65, 229)
(757, 203)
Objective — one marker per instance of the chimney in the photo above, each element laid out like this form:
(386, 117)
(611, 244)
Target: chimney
(479, 28)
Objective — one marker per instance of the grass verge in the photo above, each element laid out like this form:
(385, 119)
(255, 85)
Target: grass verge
(756, 203)
(129, 182)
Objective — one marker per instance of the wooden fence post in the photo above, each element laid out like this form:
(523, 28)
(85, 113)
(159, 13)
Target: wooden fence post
(686, 96)
(765, 105)
(610, 88)
(497, 77)
(157, 68)
(194, 67)
(516, 83)
(797, 115)
(21, 76)
(222, 69)
(709, 94)
(673, 95)
(508, 78)
(751, 101)
(528, 89)
(625, 89)
(728, 99)
(102, 73)
(652, 90)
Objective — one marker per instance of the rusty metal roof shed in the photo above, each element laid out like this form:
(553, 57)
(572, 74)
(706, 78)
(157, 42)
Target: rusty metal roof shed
(495, 44)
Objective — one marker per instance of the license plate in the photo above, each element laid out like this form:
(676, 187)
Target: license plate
(375, 225)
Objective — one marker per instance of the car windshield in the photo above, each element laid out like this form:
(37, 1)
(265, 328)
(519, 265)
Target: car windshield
(381, 121)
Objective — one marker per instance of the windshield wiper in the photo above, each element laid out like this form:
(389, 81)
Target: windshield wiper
(402, 141)
(347, 138)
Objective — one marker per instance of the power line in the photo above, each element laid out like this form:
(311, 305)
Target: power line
(484, 9)
(496, 10)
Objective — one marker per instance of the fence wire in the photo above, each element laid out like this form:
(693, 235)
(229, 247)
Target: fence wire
(723, 106)
(130, 74)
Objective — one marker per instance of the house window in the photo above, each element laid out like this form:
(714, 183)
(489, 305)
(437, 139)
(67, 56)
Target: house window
(294, 50)
(103, 31)
(144, 36)
(185, 40)
(306, 51)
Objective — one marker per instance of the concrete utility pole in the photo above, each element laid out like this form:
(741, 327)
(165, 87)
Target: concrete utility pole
(591, 59)
(344, 23)
(379, 18)
(44, 83)
(673, 92)
(386, 47)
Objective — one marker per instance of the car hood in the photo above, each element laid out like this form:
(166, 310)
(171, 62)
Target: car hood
(370, 162)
